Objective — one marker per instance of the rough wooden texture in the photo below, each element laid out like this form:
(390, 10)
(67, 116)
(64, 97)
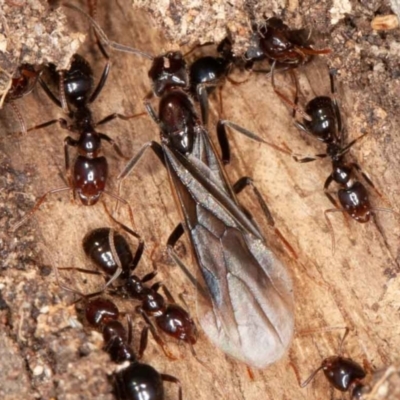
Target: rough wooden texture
(32, 33)
(46, 353)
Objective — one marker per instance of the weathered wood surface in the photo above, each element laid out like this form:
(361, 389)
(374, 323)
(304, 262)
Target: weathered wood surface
(47, 354)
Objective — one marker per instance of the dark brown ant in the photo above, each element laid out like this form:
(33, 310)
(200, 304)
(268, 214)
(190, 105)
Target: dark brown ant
(22, 83)
(137, 380)
(325, 124)
(285, 48)
(343, 374)
(88, 174)
(110, 252)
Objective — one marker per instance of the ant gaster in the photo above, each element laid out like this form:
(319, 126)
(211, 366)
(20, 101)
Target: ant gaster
(343, 374)
(169, 317)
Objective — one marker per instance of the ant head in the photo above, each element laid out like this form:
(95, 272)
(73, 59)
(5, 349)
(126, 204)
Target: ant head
(100, 311)
(97, 247)
(167, 71)
(23, 82)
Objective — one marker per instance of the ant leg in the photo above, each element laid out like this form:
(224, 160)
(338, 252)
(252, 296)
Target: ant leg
(311, 377)
(222, 138)
(284, 98)
(167, 293)
(83, 270)
(202, 95)
(150, 109)
(328, 181)
(366, 178)
(36, 207)
(143, 341)
(170, 378)
(197, 46)
(61, 90)
(351, 144)
(223, 144)
(63, 123)
(103, 37)
(155, 334)
(68, 141)
(158, 151)
(176, 234)
(19, 117)
(307, 159)
(340, 127)
(113, 116)
(102, 81)
(220, 100)
(112, 142)
(49, 93)
(296, 95)
(239, 186)
(342, 341)
(130, 335)
(125, 202)
(326, 212)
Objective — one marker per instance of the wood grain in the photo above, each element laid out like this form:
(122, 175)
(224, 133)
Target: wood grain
(356, 287)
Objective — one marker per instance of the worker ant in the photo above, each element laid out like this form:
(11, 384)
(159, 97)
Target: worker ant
(324, 122)
(88, 174)
(343, 374)
(284, 48)
(22, 83)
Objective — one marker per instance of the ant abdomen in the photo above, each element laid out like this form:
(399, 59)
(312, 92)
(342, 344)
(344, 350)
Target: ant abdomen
(355, 202)
(139, 381)
(342, 372)
(90, 176)
(97, 247)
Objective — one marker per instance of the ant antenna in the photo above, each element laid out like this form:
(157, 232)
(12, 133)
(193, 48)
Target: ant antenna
(104, 38)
